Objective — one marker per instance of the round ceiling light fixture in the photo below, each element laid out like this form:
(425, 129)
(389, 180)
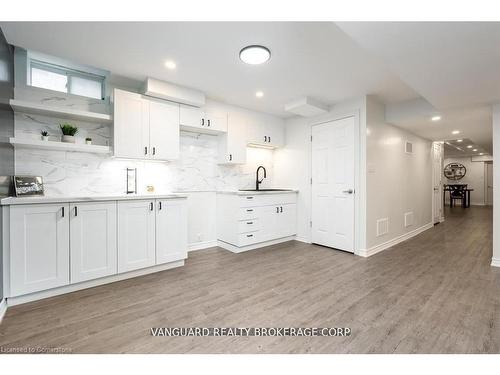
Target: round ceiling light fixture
(259, 94)
(255, 54)
(435, 118)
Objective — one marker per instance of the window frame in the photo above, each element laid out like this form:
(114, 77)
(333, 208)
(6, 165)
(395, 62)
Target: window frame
(69, 73)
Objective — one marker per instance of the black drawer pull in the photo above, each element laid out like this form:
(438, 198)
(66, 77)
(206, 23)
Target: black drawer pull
(249, 222)
(249, 235)
(250, 210)
(76, 211)
(249, 197)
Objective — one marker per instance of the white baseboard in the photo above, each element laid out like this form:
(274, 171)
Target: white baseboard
(302, 239)
(236, 249)
(202, 245)
(381, 247)
(11, 301)
(495, 262)
(3, 308)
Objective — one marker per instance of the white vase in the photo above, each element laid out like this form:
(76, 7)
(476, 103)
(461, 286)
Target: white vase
(68, 138)
(45, 137)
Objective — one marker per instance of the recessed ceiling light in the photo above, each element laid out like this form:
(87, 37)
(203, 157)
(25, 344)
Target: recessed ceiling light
(475, 150)
(255, 54)
(170, 64)
(435, 118)
(459, 140)
(469, 146)
(481, 153)
(259, 94)
(455, 132)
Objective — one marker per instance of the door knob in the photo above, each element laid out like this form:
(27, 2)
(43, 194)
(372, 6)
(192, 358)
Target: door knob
(348, 191)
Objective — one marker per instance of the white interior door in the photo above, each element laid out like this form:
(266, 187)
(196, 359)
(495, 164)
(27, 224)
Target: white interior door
(437, 172)
(489, 184)
(333, 184)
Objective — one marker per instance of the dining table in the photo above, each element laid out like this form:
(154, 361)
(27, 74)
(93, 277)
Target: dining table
(466, 202)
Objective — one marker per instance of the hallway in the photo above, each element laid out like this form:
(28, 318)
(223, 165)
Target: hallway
(435, 293)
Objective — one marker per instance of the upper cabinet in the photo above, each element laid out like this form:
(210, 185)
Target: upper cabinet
(265, 131)
(145, 128)
(233, 144)
(203, 120)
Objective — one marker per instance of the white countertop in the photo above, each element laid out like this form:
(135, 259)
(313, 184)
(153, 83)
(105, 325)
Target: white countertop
(260, 192)
(33, 200)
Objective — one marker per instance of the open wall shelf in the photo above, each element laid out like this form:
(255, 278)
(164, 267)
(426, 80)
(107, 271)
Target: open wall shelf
(26, 143)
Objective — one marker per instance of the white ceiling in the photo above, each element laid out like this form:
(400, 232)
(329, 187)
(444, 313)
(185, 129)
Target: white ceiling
(315, 59)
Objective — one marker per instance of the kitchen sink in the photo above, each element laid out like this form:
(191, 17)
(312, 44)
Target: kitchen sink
(266, 190)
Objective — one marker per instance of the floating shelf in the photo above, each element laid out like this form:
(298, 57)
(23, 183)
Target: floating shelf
(63, 112)
(55, 146)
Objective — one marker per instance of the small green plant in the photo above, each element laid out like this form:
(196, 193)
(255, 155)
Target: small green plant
(68, 129)
(88, 139)
(44, 133)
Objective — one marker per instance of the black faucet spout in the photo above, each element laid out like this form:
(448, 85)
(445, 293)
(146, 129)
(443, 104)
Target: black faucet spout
(257, 181)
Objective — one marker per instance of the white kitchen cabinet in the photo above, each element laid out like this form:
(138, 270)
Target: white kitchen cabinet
(233, 144)
(145, 128)
(163, 130)
(246, 221)
(265, 131)
(93, 240)
(203, 120)
(39, 247)
(131, 125)
(136, 234)
(171, 230)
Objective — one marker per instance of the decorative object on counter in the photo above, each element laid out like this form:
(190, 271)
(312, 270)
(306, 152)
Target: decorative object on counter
(45, 135)
(69, 132)
(455, 171)
(28, 185)
(150, 189)
(131, 180)
(88, 141)
(6, 186)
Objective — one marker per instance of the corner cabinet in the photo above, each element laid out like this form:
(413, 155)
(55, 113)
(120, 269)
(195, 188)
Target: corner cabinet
(203, 120)
(265, 131)
(39, 247)
(145, 128)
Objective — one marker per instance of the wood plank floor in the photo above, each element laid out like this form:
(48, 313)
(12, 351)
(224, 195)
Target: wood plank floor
(435, 293)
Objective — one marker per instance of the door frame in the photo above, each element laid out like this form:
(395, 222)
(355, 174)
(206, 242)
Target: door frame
(485, 200)
(433, 203)
(359, 181)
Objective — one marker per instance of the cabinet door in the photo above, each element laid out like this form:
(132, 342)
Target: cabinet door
(233, 144)
(131, 125)
(216, 120)
(171, 230)
(286, 223)
(164, 130)
(191, 116)
(268, 222)
(39, 247)
(136, 235)
(266, 131)
(92, 240)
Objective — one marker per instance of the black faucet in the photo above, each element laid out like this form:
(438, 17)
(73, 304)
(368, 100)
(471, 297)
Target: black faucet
(257, 182)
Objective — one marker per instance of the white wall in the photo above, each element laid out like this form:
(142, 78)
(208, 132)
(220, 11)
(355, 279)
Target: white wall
(396, 182)
(495, 261)
(475, 178)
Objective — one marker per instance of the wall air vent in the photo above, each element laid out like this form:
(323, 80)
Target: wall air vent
(408, 219)
(382, 226)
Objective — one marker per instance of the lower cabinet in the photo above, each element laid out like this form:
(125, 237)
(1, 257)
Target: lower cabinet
(136, 234)
(39, 247)
(93, 241)
(171, 230)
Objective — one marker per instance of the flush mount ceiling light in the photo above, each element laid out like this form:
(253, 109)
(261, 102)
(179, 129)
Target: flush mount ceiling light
(481, 153)
(255, 55)
(459, 140)
(469, 146)
(475, 150)
(169, 64)
(435, 118)
(259, 94)
(455, 132)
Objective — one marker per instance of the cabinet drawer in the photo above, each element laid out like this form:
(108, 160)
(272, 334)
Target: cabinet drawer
(267, 199)
(248, 238)
(250, 200)
(250, 225)
(248, 213)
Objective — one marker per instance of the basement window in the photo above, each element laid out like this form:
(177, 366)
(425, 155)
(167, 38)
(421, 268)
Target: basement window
(59, 78)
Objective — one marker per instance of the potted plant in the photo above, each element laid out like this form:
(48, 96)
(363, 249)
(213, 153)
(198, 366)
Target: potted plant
(45, 135)
(88, 141)
(69, 132)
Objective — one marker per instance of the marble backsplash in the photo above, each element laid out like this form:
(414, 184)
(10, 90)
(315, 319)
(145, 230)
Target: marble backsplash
(82, 174)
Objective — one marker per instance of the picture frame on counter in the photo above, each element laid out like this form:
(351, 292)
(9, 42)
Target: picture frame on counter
(28, 186)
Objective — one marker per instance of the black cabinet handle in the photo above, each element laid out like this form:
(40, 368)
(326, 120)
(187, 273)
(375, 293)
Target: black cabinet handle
(154, 150)
(151, 206)
(145, 150)
(265, 138)
(269, 139)
(250, 210)
(249, 222)
(208, 121)
(249, 197)
(62, 214)
(230, 157)
(76, 211)
(277, 210)
(249, 235)
(281, 209)
(202, 122)
(159, 205)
